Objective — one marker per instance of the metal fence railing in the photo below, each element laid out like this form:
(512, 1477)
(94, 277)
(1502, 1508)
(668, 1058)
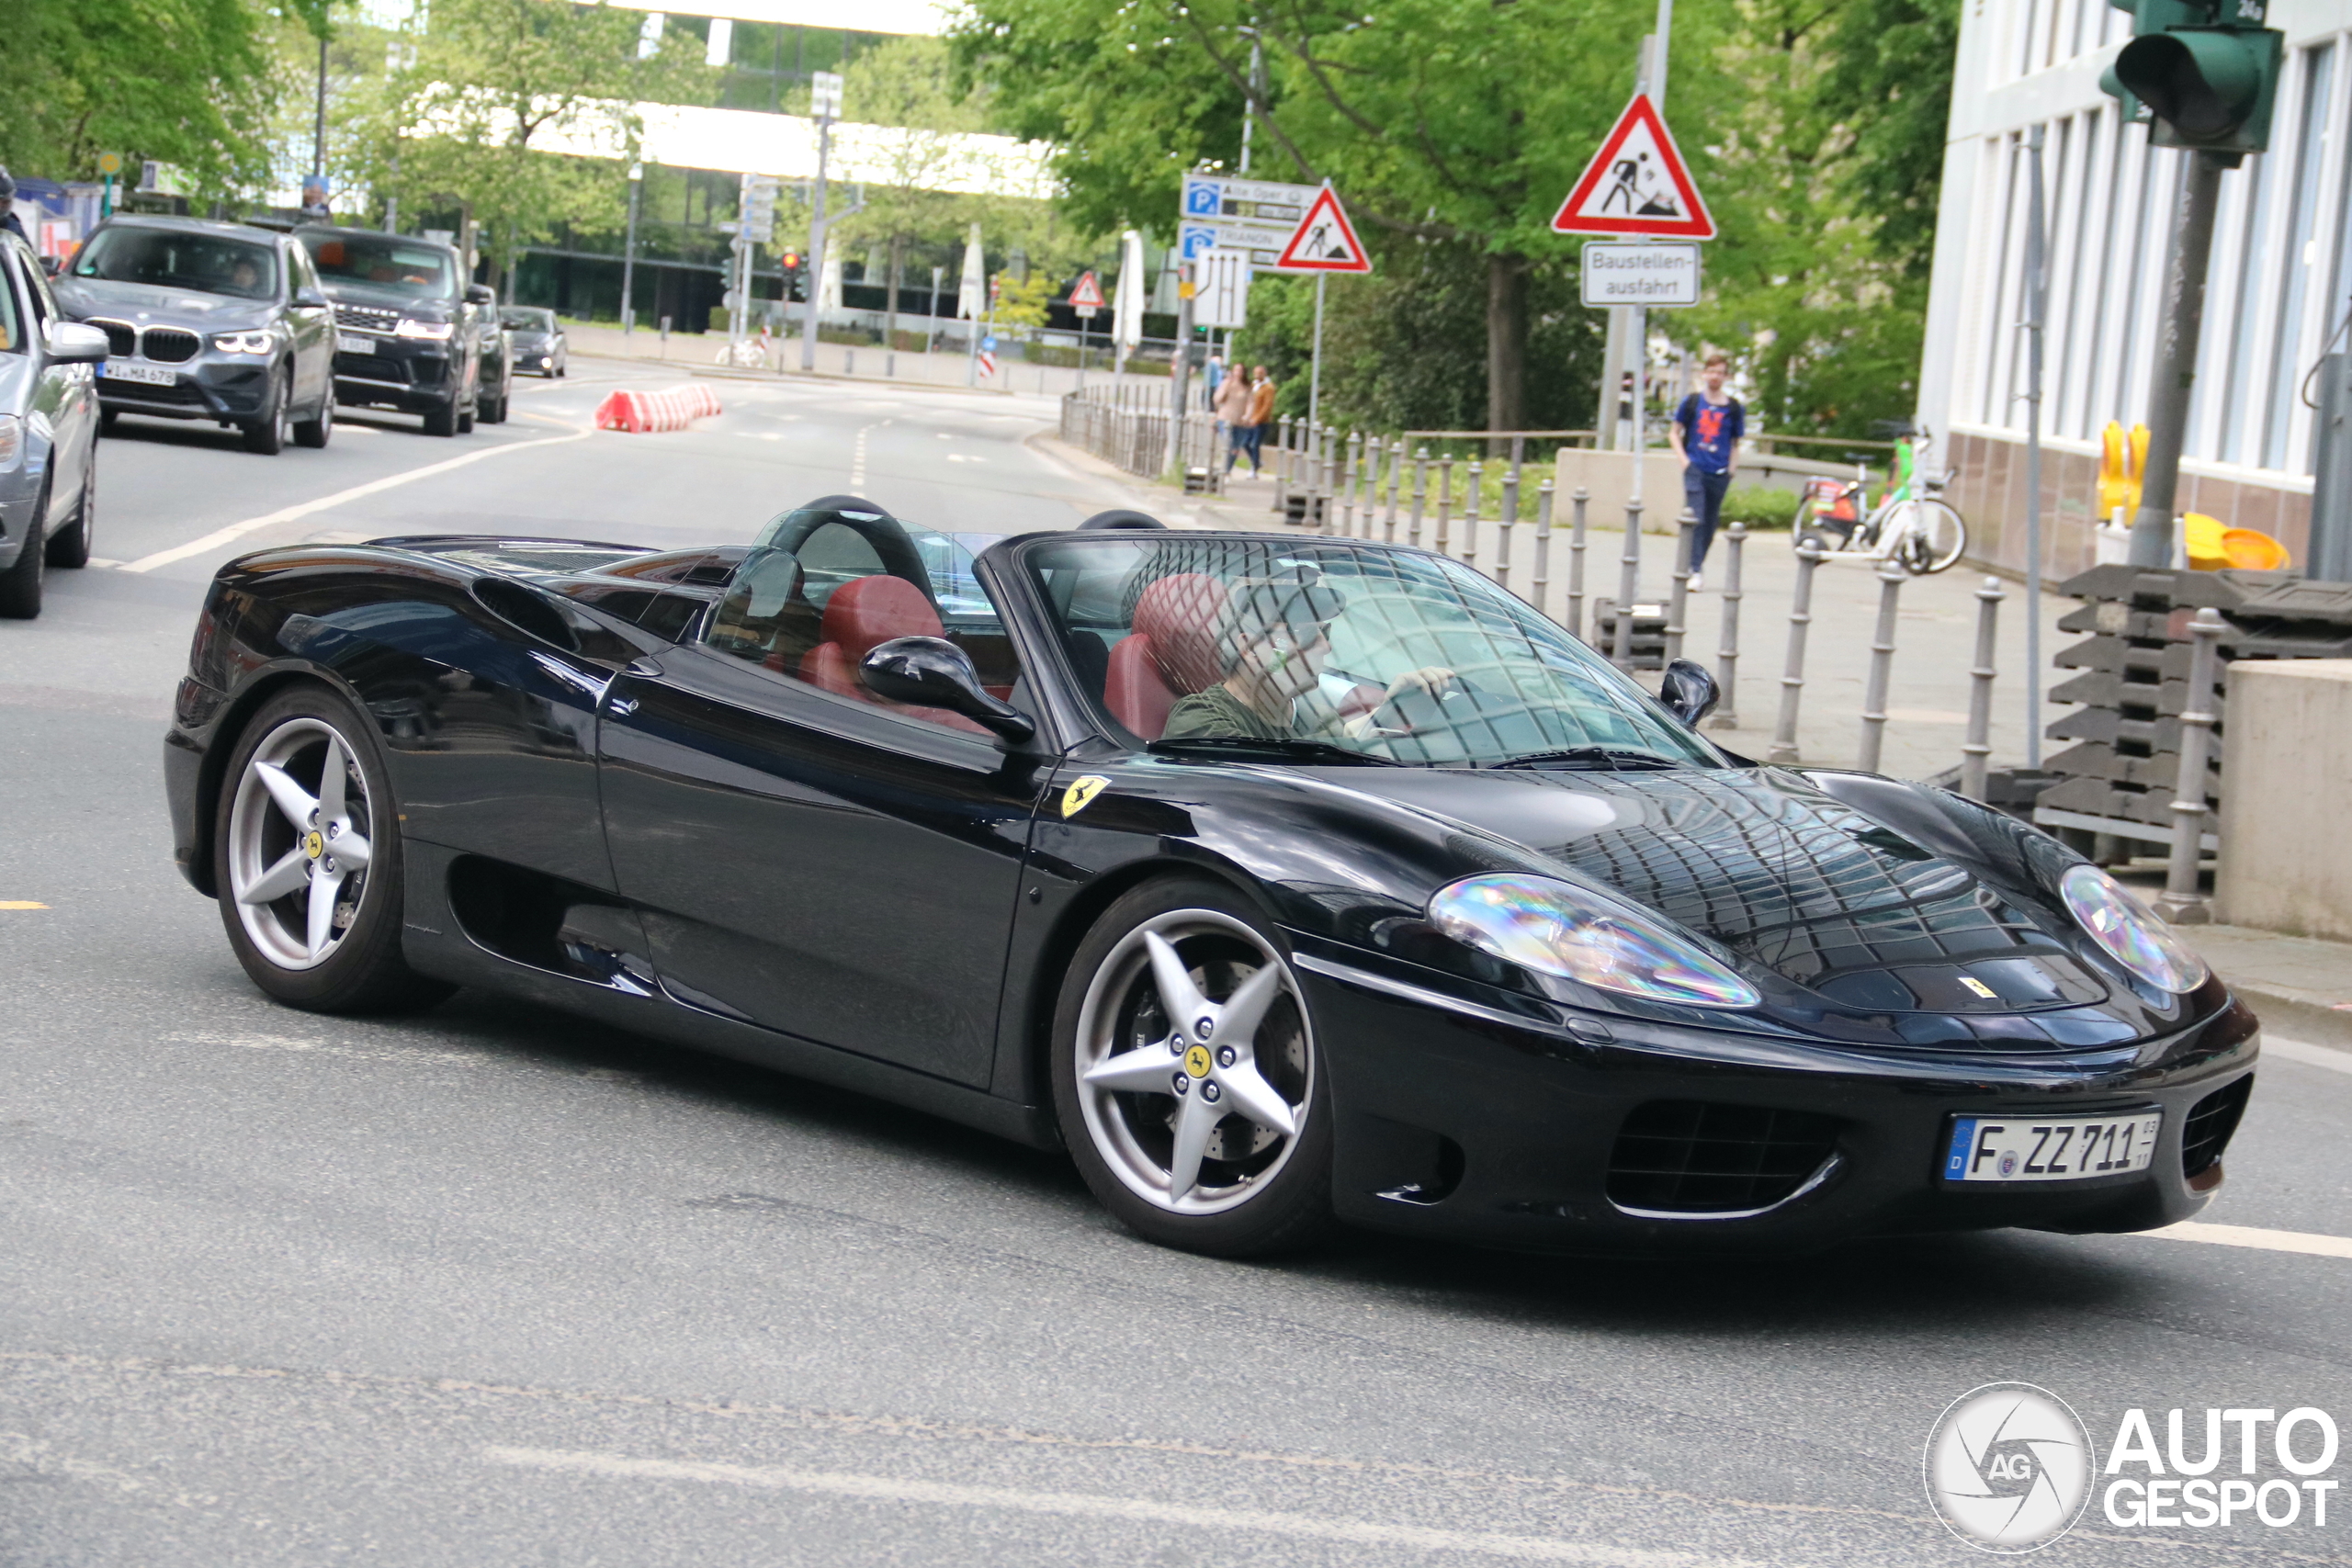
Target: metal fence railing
(1128, 426)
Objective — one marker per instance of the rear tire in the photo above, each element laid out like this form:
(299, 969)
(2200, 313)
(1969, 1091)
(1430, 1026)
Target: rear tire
(72, 549)
(21, 585)
(1248, 1188)
(341, 962)
(318, 430)
(494, 411)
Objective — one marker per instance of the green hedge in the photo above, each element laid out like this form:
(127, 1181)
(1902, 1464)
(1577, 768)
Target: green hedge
(1759, 506)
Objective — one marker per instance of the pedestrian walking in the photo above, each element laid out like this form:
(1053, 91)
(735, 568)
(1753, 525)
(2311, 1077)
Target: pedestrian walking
(1254, 421)
(1210, 380)
(1233, 414)
(1706, 433)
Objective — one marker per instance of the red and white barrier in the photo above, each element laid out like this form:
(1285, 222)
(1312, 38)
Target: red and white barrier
(642, 413)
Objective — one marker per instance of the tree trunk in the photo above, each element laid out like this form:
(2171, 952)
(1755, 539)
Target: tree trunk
(1505, 342)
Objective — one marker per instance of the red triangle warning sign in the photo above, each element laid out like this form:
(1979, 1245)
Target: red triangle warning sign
(1637, 184)
(1088, 294)
(1324, 239)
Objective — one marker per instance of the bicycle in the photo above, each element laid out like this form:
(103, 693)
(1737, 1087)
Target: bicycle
(1912, 526)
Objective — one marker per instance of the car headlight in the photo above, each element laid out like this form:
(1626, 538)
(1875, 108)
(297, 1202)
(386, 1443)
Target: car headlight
(2134, 935)
(546, 360)
(436, 331)
(1557, 928)
(12, 440)
(243, 342)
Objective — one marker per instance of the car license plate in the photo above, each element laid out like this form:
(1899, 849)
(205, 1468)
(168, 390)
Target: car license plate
(352, 343)
(2051, 1148)
(151, 375)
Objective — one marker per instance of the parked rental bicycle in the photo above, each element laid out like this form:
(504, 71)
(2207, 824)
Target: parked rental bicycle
(1911, 525)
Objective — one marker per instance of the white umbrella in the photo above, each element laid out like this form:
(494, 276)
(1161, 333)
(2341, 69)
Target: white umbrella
(1128, 301)
(972, 293)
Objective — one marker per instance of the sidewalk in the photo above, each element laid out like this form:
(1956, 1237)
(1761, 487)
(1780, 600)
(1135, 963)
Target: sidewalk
(2302, 989)
(700, 351)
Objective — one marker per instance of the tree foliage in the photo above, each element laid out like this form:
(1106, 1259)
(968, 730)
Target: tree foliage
(188, 82)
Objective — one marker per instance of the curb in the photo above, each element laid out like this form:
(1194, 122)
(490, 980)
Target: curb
(2296, 1014)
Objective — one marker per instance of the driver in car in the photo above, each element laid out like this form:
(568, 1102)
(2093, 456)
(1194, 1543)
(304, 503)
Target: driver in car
(1274, 636)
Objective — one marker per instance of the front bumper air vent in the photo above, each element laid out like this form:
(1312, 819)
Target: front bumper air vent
(1692, 1157)
(2211, 1122)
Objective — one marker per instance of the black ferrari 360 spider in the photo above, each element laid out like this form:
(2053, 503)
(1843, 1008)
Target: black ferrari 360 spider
(1281, 879)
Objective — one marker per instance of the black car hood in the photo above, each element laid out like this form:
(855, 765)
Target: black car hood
(145, 302)
(427, 307)
(1844, 896)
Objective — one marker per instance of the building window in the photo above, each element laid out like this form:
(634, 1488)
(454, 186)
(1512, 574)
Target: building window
(2301, 256)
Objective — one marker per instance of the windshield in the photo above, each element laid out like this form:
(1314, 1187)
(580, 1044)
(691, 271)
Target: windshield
(205, 264)
(385, 262)
(526, 320)
(1392, 654)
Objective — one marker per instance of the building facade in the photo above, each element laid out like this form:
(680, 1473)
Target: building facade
(2280, 287)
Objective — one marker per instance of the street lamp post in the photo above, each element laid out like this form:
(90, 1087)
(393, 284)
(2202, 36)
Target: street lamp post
(629, 252)
(825, 103)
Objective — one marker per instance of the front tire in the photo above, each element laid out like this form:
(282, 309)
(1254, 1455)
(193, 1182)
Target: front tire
(1215, 1139)
(441, 421)
(306, 854)
(319, 429)
(268, 435)
(1936, 536)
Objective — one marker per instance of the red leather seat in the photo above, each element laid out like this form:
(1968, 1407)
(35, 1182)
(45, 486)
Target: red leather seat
(860, 616)
(1170, 654)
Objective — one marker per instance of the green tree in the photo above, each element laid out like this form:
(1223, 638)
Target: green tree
(188, 82)
(490, 108)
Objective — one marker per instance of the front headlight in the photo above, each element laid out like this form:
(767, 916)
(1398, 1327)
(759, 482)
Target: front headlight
(1557, 928)
(436, 331)
(12, 440)
(2134, 935)
(243, 342)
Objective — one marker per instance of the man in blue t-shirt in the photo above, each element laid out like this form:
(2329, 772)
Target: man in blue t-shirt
(1706, 435)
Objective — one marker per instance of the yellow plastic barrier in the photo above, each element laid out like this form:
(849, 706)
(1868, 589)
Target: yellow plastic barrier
(2122, 460)
(2211, 545)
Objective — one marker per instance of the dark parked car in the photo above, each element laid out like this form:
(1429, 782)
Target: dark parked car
(49, 433)
(541, 347)
(1278, 878)
(407, 324)
(210, 321)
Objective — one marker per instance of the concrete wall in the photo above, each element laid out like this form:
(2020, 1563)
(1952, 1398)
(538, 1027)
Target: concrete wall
(1608, 476)
(2286, 861)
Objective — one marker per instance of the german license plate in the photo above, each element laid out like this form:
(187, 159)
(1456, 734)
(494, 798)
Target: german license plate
(149, 375)
(2051, 1148)
(352, 343)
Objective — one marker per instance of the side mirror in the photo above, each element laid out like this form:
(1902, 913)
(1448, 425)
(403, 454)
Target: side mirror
(71, 343)
(309, 299)
(52, 265)
(1688, 691)
(931, 673)
(480, 293)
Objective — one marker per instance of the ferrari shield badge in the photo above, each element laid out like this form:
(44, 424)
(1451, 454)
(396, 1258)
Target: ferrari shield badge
(1083, 791)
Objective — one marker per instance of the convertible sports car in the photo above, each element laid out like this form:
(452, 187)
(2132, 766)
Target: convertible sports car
(1281, 879)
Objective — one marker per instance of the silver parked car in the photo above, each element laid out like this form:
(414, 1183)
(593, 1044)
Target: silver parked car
(49, 432)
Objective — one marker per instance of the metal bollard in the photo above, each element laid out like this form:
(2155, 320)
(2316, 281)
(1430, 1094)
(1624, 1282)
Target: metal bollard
(1396, 485)
(1421, 494)
(2183, 901)
(1503, 526)
(1543, 526)
(1445, 505)
(1629, 583)
(1890, 590)
(1976, 752)
(1726, 713)
(1354, 481)
(1784, 733)
(1576, 564)
(1282, 467)
(1470, 516)
(1679, 601)
(1335, 476)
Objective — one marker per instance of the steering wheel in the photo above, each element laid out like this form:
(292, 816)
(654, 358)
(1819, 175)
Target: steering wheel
(1421, 708)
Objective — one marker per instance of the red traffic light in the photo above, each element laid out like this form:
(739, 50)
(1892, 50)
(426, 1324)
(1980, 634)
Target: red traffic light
(791, 261)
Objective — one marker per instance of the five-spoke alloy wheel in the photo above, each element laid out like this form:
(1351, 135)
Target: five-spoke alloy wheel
(306, 860)
(1186, 1074)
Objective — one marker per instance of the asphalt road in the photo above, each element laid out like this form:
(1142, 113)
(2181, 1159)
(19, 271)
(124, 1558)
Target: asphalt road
(491, 1287)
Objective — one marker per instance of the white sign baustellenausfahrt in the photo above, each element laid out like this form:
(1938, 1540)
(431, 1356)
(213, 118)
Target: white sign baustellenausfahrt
(1222, 297)
(1641, 274)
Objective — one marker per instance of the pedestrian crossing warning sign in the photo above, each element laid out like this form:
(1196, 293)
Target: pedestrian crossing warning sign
(1088, 294)
(1324, 239)
(1637, 184)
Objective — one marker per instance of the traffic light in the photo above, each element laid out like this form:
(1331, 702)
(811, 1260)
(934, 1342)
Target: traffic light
(2206, 72)
(791, 263)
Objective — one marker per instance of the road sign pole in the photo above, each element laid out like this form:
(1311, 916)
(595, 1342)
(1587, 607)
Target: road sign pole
(2176, 368)
(1315, 363)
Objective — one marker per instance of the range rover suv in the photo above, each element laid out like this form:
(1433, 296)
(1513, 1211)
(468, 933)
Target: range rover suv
(408, 326)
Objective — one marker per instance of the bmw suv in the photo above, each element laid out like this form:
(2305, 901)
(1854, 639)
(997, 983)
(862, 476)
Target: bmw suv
(408, 326)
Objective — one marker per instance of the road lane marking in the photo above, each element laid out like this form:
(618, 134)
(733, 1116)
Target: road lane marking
(1079, 1505)
(2249, 1236)
(20, 904)
(219, 536)
(2310, 1055)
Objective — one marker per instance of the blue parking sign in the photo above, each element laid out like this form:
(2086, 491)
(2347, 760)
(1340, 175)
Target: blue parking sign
(1202, 198)
(1194, 238)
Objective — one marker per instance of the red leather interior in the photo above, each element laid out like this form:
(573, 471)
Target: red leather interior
(860, 616)
(1170, 654)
